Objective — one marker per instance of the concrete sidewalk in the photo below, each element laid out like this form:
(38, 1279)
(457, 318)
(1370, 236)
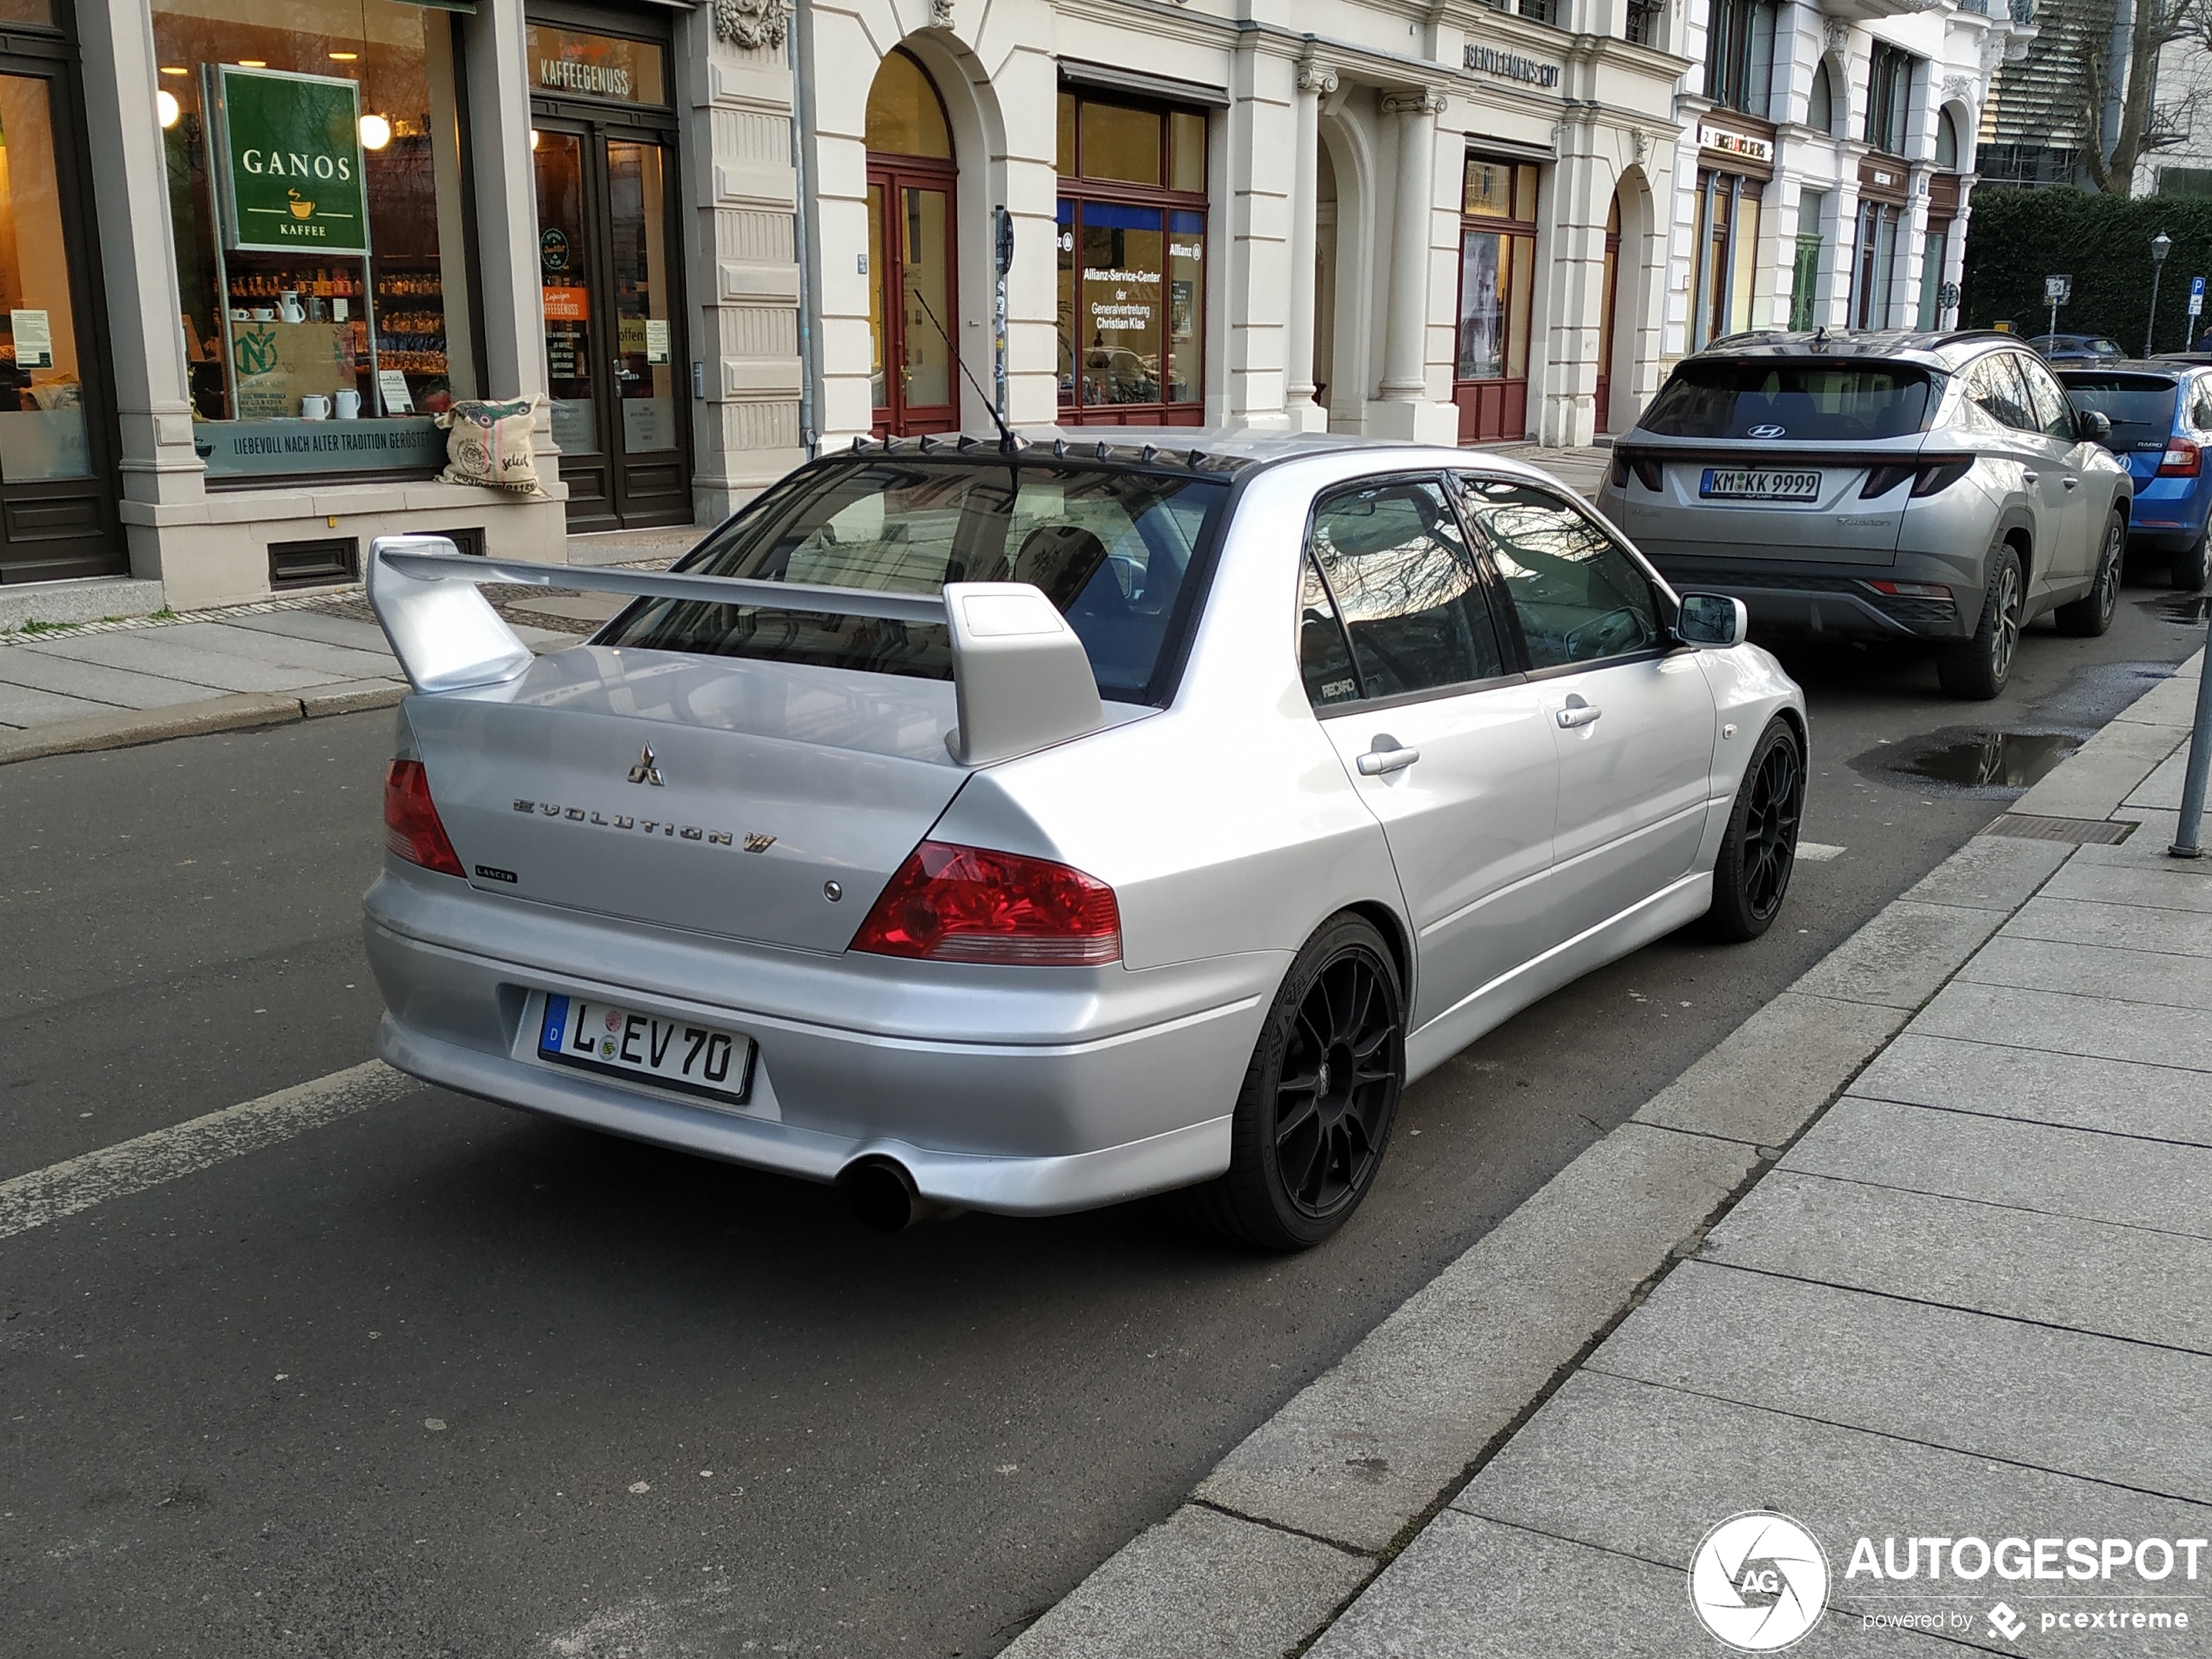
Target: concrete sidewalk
(1962, 1292)
(108, 683)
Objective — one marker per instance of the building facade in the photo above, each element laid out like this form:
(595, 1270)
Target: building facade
(1835, 157)
(253, 249)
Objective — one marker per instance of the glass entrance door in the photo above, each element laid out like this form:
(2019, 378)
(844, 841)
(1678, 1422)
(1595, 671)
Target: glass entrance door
(615, 352)
(910, 302)
(56, 492)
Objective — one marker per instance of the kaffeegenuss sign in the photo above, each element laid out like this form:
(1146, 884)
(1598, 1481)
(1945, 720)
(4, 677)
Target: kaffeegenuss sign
(292, 171)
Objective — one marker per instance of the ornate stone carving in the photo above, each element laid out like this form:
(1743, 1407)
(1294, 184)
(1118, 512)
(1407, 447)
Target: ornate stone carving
(1311, 77)
(1427, 101)
(1959, 88)
(1835, 37)
(1639, 144)
(940, 14)
(751, 24)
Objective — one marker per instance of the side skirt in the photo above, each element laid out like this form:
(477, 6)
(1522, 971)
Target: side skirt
(1493, 1004)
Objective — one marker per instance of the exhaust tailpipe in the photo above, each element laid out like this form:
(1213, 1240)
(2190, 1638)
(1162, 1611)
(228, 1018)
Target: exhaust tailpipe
(883, 1197)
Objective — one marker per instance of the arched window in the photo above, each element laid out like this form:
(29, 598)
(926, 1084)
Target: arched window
(1820, 108)
(914, 374)
(1947, 142)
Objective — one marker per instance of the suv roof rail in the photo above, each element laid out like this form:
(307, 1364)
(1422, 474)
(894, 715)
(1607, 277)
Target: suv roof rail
(1962, 336)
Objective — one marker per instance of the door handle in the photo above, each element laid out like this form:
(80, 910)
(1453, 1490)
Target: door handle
(2031, 477)
(2074, 483)
(1577, 713)
(1377, 761)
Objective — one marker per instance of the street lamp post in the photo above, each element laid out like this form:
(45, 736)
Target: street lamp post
(2161, 246)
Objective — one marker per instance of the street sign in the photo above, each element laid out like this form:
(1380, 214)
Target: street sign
(2057, 290)
(2196, 296)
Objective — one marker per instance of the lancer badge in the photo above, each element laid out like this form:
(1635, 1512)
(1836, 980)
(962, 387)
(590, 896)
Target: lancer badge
(646, 771)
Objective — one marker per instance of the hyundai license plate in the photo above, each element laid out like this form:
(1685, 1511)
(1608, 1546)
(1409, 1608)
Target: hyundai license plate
(1758, 483)
(674, 1054)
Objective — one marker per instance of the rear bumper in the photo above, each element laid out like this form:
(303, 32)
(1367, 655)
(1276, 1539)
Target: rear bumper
(1023, 1128)
(1787, 598)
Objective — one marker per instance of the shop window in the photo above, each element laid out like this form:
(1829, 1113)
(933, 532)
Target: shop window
(906, 116)
(1888, 96)
(1739, 54)
(1724, 287)
(913, 253)
(1935, 248)
(1497, 286)
(1804, 279)
(1878, 232)
(319, 218)
(1133, 249)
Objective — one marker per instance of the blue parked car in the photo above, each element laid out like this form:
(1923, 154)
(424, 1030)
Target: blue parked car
(2162, 426)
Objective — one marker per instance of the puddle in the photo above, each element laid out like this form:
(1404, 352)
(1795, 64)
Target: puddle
(2189, 610)
(1977, 759)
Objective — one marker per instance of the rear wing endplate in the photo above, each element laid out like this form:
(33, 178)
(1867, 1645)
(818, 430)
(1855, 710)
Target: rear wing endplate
(1020, 678)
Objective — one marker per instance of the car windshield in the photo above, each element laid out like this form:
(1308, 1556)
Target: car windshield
(2140, 407)
(1801, 401)
(1113, 548)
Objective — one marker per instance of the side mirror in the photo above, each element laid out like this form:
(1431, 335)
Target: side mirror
(2096, 426)
(1712, 621)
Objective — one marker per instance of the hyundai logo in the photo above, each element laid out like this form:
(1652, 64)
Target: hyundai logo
(1768, 431)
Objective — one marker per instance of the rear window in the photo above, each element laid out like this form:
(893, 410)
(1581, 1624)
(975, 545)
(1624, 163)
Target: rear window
(1802, 402)
(1113, 549)
(2140, 407)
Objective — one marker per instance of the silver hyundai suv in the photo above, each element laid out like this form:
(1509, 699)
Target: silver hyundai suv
(1897, 486)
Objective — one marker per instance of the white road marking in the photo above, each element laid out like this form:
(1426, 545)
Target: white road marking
(1819, 851)
(78, 1184)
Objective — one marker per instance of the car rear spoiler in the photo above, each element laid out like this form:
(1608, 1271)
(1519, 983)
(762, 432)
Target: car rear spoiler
(1020, 678)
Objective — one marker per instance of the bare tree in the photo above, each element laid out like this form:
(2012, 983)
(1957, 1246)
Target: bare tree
(2146, 126)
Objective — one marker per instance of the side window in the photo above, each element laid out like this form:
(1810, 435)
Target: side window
(1579, 598)
(1994, 385)
(2201, 416)
(1324, 655)
(2054, 415)
(1406, 587)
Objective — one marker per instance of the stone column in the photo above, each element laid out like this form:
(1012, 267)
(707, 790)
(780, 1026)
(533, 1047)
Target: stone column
(1313, 85)
(1405, 378)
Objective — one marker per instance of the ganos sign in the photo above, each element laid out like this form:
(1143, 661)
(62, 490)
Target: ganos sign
(293, 165)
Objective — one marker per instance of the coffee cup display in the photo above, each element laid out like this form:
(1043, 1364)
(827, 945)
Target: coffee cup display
(349, 405)
(314, 407)
(263, 313)
(288, 306)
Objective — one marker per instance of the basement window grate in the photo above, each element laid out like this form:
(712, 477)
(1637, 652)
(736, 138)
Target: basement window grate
(315, 564)
(2077, 831)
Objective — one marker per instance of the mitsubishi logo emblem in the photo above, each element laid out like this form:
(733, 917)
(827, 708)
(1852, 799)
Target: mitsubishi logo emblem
(647, 771)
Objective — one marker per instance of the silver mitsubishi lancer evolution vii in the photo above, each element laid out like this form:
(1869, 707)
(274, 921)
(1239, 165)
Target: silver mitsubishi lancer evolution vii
(1026, 824)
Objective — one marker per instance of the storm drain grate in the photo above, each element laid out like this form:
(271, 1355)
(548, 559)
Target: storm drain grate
(2079, 831)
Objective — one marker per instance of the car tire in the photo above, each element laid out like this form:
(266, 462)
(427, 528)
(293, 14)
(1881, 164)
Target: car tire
(1978, 667)
(2192, 566)
(2088, 616)
(1313, 1117)
(1759, 850)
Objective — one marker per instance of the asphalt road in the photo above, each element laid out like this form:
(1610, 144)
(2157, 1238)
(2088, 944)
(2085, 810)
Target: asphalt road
(440, 1378)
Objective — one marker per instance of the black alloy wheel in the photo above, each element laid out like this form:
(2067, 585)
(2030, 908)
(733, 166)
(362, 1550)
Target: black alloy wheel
(1978, 667)
(1759, 853)
(2088, 616)
(1314, 1115)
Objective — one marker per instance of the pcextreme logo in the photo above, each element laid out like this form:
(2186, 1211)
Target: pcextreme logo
(1758, 1582)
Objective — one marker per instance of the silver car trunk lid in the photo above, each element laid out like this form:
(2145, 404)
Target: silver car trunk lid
(1837, 525)
(713, 794)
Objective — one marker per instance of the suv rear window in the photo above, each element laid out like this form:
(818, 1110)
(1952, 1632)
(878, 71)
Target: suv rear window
(2140, 407)
(1113, 548)
(1807, 403)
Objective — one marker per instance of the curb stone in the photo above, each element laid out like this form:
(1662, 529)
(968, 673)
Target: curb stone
(242, 712)
(1367, 1454)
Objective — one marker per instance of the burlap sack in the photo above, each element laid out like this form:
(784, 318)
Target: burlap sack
(489, 443)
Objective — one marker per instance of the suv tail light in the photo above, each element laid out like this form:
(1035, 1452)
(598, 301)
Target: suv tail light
(1928, 472)
(963, 904)
(2183, 458)
(1649, 472)
(411, 827)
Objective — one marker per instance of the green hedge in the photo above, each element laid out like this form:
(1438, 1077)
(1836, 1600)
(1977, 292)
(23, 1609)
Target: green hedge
(2018, 237)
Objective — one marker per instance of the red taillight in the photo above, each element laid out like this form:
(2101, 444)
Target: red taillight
(2183, 458)
(411, 827)
(962, 904)
(1649, 471)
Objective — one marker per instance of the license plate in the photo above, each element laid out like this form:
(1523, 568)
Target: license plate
(673, 1054)
(1759, 484)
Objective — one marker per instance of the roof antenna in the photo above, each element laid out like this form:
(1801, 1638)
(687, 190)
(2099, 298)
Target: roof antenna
(1007, 442)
